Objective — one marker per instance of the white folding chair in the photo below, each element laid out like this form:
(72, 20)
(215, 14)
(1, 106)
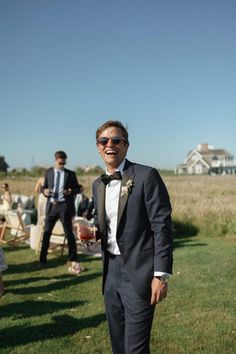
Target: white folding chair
(57, 240)
(19, 232)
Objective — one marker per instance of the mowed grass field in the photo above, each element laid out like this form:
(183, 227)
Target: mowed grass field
(50, 311)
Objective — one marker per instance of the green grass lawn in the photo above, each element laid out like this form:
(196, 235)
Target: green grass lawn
(50, 311)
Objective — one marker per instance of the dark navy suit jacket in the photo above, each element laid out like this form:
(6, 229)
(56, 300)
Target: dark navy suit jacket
(70, 181)
(144, 226)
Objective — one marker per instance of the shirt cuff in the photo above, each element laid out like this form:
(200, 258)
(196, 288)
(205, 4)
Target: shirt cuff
(159, 274)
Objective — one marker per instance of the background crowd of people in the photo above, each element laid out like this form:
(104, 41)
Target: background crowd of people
(83, 206)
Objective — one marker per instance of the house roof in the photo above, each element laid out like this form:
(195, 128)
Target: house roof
(181, 165)
(215, 152)
(192, 152)
(210, 152)
(203, 161)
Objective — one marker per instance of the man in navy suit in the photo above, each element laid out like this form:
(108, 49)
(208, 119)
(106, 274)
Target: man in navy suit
(133, 219)
(60, 187)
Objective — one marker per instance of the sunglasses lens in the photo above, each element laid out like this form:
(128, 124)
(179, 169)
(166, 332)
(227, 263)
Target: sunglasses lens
(104, 141)
(116, 141)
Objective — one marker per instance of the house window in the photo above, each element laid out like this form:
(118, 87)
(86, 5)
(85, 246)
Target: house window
(198, 169)
(228, 158)
(194, 158)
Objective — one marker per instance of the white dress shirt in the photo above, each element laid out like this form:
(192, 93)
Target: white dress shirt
(111, 208)
(61, 197)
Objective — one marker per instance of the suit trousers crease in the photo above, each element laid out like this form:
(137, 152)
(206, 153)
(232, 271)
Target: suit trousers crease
(129, 317)
(55, 213)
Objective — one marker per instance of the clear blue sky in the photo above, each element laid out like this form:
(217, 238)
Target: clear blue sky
(166, 69)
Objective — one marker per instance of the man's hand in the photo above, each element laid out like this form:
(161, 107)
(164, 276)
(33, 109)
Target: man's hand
(48, 192)
(159, 291)
(67, 191)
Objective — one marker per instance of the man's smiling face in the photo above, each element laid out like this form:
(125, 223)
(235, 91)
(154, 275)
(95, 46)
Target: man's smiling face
(112, 147)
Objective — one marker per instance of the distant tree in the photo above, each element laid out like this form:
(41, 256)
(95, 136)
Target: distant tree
(89, 171)
(165, 172)
(3, 165)
(38, 171)
(79, 171)
(95, 171)
(20, 172)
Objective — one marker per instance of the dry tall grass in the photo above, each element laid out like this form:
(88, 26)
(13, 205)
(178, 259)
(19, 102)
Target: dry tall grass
(26, 185)
(205, 202)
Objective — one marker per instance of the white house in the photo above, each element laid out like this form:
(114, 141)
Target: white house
(205, 159)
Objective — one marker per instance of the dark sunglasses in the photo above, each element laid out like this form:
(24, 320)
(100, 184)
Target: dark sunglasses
(61, 163)
(116, 140)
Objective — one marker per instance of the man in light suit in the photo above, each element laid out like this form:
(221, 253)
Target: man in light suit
(133, 219)
(60, 187)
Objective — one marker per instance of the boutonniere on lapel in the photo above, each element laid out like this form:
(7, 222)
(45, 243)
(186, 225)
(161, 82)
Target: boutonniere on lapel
(127, 188)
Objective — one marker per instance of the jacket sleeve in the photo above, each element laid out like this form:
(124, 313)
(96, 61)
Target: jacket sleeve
(95, 215)
(45, 185)
(159, 210)
(74, 184)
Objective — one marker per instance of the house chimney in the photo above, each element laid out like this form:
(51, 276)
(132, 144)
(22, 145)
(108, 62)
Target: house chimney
(203, 147)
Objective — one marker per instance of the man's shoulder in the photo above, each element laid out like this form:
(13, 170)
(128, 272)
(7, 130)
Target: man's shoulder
(96, 181)
(50, 169)
(140, 167)
(66, 170)
(142, 171)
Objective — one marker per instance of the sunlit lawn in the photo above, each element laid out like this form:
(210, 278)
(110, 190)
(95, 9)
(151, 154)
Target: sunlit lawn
(50, 311)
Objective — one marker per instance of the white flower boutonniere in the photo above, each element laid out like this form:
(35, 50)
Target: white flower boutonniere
(126, 190)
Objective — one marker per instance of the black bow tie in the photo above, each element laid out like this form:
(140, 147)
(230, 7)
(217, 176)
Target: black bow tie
(108, 178)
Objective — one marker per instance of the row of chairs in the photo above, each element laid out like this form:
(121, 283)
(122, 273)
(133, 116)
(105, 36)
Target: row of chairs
(19, 232)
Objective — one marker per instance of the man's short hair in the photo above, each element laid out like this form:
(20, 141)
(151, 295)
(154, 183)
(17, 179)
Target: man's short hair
(60, 155)
(113, 123)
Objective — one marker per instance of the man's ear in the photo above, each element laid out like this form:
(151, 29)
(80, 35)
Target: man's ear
(98, 148)
(126, 149)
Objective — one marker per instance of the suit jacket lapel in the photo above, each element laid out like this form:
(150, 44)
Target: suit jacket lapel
(127, 175)
(66, 174)
(101, 206)
(51, 179)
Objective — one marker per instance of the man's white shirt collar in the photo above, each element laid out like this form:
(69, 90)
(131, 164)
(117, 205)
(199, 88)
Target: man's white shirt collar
(119, 168)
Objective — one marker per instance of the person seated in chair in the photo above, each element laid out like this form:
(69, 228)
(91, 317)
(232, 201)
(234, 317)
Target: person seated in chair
(89, 212)
(81, 202)
(6, 200)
